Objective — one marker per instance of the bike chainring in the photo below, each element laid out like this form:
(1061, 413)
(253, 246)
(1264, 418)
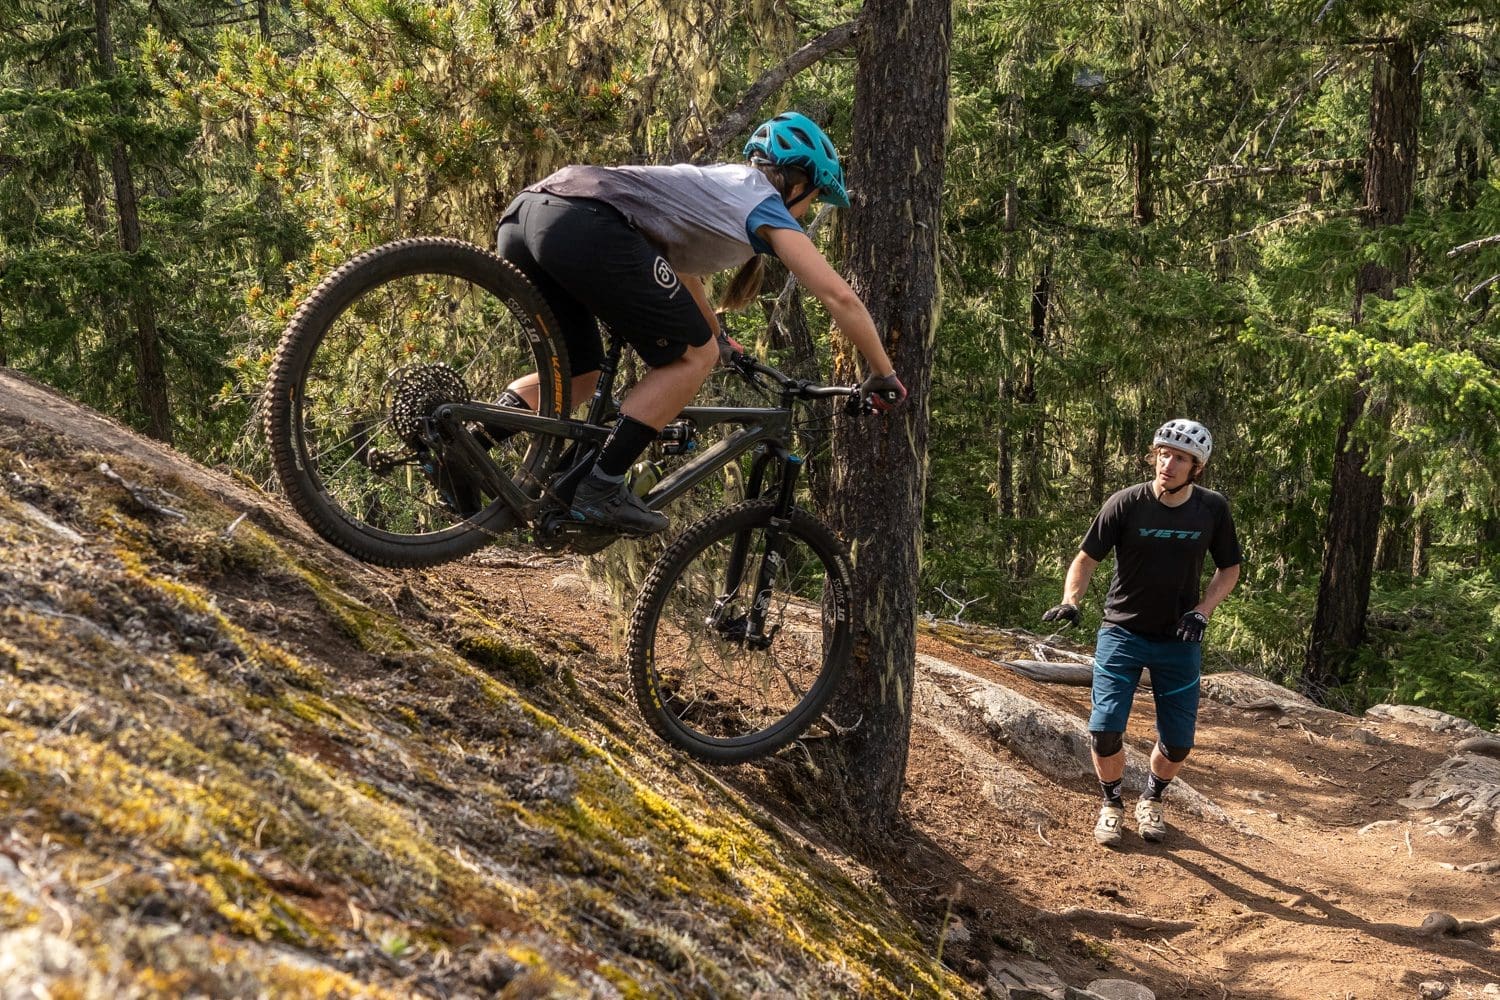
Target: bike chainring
(413, 393)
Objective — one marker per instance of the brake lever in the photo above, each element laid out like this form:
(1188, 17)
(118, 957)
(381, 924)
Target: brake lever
(743, 365)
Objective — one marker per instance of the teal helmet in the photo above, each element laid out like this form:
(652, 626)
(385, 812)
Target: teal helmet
(794, 140)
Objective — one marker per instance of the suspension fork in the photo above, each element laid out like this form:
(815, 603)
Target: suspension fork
(773, 549)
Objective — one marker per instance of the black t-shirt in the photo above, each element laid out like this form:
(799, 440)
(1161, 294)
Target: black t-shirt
(1159, 554)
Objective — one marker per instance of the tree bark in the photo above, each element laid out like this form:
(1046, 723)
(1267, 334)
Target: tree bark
(880, 464)
(1029, 482)
(1355, 502)
(150, 372)
(1142, 209)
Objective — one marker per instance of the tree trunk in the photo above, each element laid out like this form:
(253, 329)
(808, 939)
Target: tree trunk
(1005, 495)
(150, 373)
(1421, 537)
(1354, 504)
(880, 463)
(1029, 482)
(1393, 549)
(1140, 159)
(1097, 456)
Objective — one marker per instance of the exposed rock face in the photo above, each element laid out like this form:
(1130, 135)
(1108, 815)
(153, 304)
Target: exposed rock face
(1428, 718)
(1242, 690)
(1465, 792)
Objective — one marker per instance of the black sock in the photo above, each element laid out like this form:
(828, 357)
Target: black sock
(1111, 790)
(626, 442)
(1157, 787)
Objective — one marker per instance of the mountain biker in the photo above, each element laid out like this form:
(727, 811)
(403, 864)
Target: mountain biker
(629, 246)
(1154, 617)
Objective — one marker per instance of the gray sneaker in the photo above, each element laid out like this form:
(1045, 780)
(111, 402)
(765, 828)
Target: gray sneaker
(1110, 829)
(1151, 819)
(612, 505)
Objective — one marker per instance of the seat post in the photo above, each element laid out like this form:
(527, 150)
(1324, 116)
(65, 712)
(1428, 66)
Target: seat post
(603, 406)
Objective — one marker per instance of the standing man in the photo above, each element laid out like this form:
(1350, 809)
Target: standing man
(1154, 617)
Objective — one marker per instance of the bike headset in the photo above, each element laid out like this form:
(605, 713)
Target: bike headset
(792, 139)
(1189, 436)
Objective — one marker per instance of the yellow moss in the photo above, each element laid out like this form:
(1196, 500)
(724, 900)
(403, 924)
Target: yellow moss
(369, 630)
(314, 709)
(16, 912)
(492, 653)
(254, 909)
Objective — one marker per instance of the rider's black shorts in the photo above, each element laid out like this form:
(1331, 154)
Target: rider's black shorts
(592, 266)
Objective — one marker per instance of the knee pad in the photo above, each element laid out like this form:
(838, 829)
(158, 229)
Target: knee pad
(1175, 754)
(1107, 744)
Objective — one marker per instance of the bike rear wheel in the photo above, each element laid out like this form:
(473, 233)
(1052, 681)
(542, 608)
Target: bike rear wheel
(707, 679)
(372, 352)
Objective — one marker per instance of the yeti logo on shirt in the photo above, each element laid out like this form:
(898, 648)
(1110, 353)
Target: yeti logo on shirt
(1189, 536)
(665, 276)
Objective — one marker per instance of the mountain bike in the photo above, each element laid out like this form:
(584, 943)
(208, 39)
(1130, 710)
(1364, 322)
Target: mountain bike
(386, 440)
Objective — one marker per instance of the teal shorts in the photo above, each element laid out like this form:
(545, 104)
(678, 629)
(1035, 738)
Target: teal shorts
(1176, 668)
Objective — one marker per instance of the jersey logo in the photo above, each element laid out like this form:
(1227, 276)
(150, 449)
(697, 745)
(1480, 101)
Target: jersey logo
(665, 276)
(1171, 533)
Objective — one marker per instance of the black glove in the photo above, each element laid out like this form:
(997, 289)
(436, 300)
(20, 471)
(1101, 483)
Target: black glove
(728, 348)
(884, 392)
(1064, 614)
(1190, 627)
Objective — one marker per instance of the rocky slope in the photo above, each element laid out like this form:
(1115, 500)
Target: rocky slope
(234, 763)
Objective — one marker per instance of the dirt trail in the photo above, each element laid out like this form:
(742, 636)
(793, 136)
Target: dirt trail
(1295, 904)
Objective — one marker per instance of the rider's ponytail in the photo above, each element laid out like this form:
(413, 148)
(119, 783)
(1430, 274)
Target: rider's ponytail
(745, 285)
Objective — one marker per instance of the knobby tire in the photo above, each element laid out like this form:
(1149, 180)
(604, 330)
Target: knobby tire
(719, 701)
(470, 311)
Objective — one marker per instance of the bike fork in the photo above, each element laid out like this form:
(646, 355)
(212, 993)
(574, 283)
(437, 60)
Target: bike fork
(772, 553)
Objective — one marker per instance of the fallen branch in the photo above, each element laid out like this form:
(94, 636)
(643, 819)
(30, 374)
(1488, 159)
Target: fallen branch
(1488, 746)
(142, 494)
(1478, 867)
(1439, 924)
(1137, 920)
(1075, 674)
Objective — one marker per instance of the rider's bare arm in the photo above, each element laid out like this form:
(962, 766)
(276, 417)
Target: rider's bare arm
(1079, 574)
(805, 261)
(1219, 586)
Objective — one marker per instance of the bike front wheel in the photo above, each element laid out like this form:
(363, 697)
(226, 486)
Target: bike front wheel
(362, 368)
(741, 633)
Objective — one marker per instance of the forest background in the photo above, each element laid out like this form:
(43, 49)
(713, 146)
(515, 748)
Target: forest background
(1281, 219)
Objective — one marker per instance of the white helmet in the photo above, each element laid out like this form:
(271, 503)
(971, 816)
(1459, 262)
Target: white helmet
(1186, 435)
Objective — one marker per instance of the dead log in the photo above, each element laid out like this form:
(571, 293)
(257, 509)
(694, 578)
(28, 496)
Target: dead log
(1074, 674)
(1440, 924)
(1487, 745)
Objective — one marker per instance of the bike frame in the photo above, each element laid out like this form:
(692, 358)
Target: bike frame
(769, 426)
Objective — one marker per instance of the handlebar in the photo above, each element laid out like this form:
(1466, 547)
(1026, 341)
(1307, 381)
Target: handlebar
(749, 368)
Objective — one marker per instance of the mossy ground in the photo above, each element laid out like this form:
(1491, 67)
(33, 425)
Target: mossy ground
(232, 765)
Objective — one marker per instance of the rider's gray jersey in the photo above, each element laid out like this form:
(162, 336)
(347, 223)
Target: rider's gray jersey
(696, 216)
